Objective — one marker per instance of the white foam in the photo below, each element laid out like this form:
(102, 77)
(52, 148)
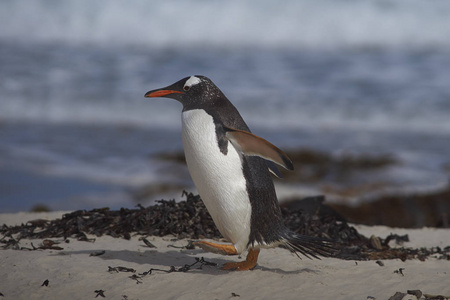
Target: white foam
(298, 23)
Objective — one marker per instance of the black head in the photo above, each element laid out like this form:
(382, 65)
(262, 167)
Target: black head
(193, 92)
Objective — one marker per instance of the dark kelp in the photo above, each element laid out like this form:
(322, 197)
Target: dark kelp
(190, 219)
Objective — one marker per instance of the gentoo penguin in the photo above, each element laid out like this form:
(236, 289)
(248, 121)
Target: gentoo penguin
(231, 169)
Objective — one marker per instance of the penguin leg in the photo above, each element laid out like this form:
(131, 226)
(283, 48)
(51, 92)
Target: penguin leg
(248, 264)
(224, 249)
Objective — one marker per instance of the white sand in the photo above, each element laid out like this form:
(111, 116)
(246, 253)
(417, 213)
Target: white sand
(73, 274)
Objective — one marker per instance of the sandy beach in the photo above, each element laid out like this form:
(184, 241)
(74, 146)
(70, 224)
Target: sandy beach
(122, 272)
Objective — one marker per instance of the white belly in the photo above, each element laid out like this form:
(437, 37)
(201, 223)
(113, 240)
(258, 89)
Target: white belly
(219, 178)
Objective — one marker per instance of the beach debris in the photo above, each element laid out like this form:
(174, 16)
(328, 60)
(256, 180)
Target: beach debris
(235, 295)
(82, 237)
(45, 283)
(97, 253)
(399, 239)
(121, 269)
(10, 243)
(147, 243)
(176, 247)
(397, 296)
(49, 244)
(135, 277)
(190, 219)
(100, 293)
(380, 263)
(400, 271)
(46, 245)
(201, 261)
(190, 245)
(445, 254)
(111, 269)
(417, 294)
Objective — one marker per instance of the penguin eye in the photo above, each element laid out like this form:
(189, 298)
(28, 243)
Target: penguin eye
(186, 88)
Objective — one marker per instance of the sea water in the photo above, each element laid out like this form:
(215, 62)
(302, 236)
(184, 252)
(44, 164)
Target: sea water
(359, 77)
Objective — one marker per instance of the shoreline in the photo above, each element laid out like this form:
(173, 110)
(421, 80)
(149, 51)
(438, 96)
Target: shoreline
(81, 268)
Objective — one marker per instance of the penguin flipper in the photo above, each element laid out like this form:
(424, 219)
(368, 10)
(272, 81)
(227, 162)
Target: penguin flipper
(253, 145)
(274, 169)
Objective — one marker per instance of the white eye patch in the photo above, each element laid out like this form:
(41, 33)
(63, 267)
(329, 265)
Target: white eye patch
(191, 82)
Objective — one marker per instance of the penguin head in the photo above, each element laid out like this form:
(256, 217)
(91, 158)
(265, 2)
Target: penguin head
(193, 92)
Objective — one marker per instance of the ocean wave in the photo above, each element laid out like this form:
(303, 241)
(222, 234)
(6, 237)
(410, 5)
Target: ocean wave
(292, 23)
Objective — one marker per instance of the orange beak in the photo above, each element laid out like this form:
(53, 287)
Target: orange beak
(160, 93)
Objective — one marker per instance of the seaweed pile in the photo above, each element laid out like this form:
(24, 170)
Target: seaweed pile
(190, 219)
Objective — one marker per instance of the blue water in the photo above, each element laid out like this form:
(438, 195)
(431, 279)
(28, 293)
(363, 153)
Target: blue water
(336, 76)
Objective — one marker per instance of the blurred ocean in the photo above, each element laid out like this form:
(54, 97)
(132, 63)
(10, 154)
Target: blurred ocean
(339, 76)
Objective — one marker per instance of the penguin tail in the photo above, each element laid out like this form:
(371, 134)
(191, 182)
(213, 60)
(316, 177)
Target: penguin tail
(309, 246)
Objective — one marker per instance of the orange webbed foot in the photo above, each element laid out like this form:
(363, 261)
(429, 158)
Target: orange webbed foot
(248, 264)
(224, 249)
